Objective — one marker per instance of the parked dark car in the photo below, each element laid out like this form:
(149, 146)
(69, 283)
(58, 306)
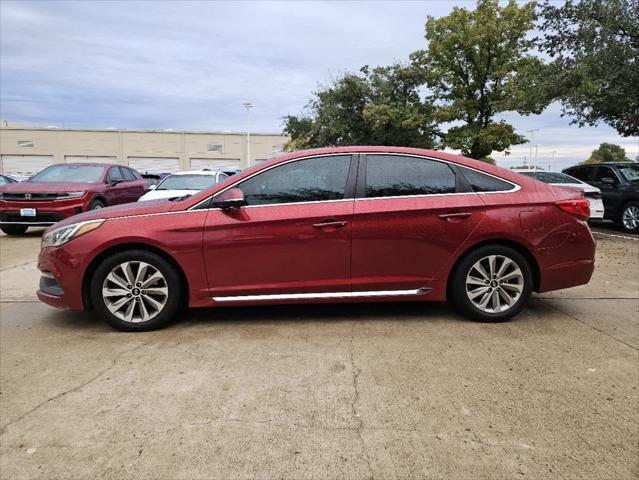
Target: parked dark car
(4, 180)
(63, 190)
(341, 224)
(154, 178)
(619, 185)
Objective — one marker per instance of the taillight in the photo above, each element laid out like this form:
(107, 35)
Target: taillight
(592, 195)
(579, 208)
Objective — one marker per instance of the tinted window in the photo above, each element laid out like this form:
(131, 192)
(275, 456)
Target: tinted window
(311, 180)
(605, 172)
(128, 174)
(394, 175)
(629, 172)
(115, 174)
(582, 173)
(480, 182)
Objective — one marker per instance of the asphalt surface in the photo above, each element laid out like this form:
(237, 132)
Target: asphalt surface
(330, 391)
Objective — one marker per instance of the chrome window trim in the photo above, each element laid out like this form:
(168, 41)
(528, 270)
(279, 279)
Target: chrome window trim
(305, 296)
(515, 188)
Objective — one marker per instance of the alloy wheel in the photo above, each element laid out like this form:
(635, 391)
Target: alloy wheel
(494, 283)
(135, 291)
(630, 217)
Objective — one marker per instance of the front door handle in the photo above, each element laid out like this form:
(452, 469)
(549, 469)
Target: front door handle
(330, 223)
(460, 215)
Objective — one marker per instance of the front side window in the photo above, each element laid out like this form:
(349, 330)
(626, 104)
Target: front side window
(310, 180)
(115, 174)
(70, 173)
(396, 175)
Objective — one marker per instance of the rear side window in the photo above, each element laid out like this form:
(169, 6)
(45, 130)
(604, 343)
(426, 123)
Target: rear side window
(480, 182)
(605, 172)
(395, 176)
(128, 174)
(582, 173)
(310, 180)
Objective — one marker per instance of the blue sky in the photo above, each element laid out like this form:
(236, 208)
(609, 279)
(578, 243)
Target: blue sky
(190, 65)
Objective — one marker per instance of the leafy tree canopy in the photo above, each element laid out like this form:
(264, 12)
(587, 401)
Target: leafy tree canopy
(607, 152)
(594, 46)
(379, 106)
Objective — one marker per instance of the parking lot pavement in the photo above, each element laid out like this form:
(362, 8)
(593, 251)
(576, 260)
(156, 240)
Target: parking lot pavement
(325, 391)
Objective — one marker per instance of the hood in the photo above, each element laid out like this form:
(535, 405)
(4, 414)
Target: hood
(156, 194)
(46, 187)
(125, 210)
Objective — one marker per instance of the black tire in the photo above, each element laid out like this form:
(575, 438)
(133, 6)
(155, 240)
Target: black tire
(14, 229)
(625, 222)
(96, 204)
(173, 282)
(459, 298)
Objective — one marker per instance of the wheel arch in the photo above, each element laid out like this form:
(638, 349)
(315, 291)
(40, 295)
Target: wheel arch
(122, 247)
(532, 261)
(98, 196)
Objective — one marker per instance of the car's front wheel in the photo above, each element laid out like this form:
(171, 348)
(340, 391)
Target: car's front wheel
(491, 284)
(14, 229)
(630, 217)
(136, 291)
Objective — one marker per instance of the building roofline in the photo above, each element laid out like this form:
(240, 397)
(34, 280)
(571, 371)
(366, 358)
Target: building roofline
(136, 130)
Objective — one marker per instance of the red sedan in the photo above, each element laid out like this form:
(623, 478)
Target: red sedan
(331, 225)
(63, 190)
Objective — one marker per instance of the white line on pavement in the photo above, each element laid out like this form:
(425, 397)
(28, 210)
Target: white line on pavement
(616, 236)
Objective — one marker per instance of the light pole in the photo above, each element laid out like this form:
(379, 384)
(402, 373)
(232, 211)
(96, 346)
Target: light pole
(532, 134)
(247, 106)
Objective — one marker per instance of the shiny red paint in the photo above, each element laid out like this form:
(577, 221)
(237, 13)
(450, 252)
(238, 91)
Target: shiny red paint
(335, 246)
(51, 211)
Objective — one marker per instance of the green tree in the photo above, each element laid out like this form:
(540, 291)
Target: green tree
(477, 65)
(607, 152)
(594, 47)
(379, 106)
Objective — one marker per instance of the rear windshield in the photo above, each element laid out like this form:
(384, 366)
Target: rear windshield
(551, 177)
(70, 173)
(187, 182)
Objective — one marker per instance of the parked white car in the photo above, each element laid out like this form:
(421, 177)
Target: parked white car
(184, 183)
(592, 194)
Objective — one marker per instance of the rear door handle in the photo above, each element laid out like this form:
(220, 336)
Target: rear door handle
(331, 223)
(460, 215)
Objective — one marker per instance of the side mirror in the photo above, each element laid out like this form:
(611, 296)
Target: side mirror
(233, 198)
(608, 181)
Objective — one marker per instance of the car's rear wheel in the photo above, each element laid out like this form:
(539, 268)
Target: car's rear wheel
(136, 291)
(491, 284)
(630, 217)
(14, 229)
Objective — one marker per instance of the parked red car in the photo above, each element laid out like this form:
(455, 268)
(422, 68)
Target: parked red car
(63, 190)
(340, 224)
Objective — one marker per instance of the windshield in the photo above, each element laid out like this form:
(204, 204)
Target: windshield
(187, 182)
(629, 172)
(70, 173)
(551, 177)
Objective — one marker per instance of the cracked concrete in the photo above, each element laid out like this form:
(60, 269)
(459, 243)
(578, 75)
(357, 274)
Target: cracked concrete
(325, 391)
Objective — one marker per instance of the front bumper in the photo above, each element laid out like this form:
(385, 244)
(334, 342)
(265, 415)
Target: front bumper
(47, 213)
(61, 281)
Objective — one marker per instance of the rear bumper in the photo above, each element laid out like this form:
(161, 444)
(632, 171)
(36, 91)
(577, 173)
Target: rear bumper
(566, 275)
(47, 213)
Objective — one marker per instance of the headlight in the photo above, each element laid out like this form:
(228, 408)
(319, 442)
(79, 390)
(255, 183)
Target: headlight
(66, 195)
(62, 235)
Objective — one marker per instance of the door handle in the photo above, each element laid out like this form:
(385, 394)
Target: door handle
(460, 215)
(330, 223)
